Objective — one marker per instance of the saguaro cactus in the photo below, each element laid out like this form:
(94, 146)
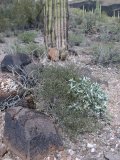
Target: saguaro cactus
(56, 23)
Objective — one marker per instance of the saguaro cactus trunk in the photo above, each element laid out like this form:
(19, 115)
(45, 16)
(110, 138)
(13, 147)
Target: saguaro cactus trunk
(56, 23)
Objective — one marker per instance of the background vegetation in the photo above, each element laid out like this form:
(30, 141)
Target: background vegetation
(23, 14)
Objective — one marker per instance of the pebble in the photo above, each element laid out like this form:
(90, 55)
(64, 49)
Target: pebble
(90, 145)
(71, 152)
(92, 150)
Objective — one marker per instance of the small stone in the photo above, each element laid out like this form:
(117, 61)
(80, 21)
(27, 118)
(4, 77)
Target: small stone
(90, 145)
(92, 150)
(112, 149)
(3, 149)
(71, 152)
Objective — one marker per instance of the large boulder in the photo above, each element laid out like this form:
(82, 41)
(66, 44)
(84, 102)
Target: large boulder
(15, 62)
(29, 134)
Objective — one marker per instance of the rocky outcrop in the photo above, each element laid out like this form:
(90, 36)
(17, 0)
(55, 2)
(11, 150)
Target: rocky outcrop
(31, 135)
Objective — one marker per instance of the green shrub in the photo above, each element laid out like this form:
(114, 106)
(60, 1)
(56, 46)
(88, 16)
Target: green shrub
(31, 48)
(89, 21)
(89, 97)
(21, 14)
(75, 39)
(28, 36)
(76, 17)
(35, 49)
(4, 24)
(109, 32)
(106, 54)
(55, 82)
(75, 103)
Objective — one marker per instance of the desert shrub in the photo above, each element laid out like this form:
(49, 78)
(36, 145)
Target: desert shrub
(109, 32)
(35, 49)
(21, 14)
(89, 96)
(55, 82)
(106, 54)
(89, 21)
(89, 104)
(30, 48)
(108, 36)
(105, 36)
(75, 39)
(76, 17)
(27, 36)
(2, 39)
(75, 103)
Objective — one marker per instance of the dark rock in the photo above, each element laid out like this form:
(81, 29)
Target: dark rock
(30, 135)
(72, 51)
(16, 62)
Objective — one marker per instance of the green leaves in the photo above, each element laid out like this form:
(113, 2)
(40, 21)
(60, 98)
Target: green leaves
(89, 96)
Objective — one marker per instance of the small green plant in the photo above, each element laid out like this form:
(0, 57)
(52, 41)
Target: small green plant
(89, 96)
(28, 36)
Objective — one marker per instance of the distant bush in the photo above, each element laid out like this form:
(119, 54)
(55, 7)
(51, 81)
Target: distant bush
(75, 39)
(109, 32)
(27, 36)
(21, 14)
(76, 17)
(89, 22)
(30, 48)
(106, 54)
